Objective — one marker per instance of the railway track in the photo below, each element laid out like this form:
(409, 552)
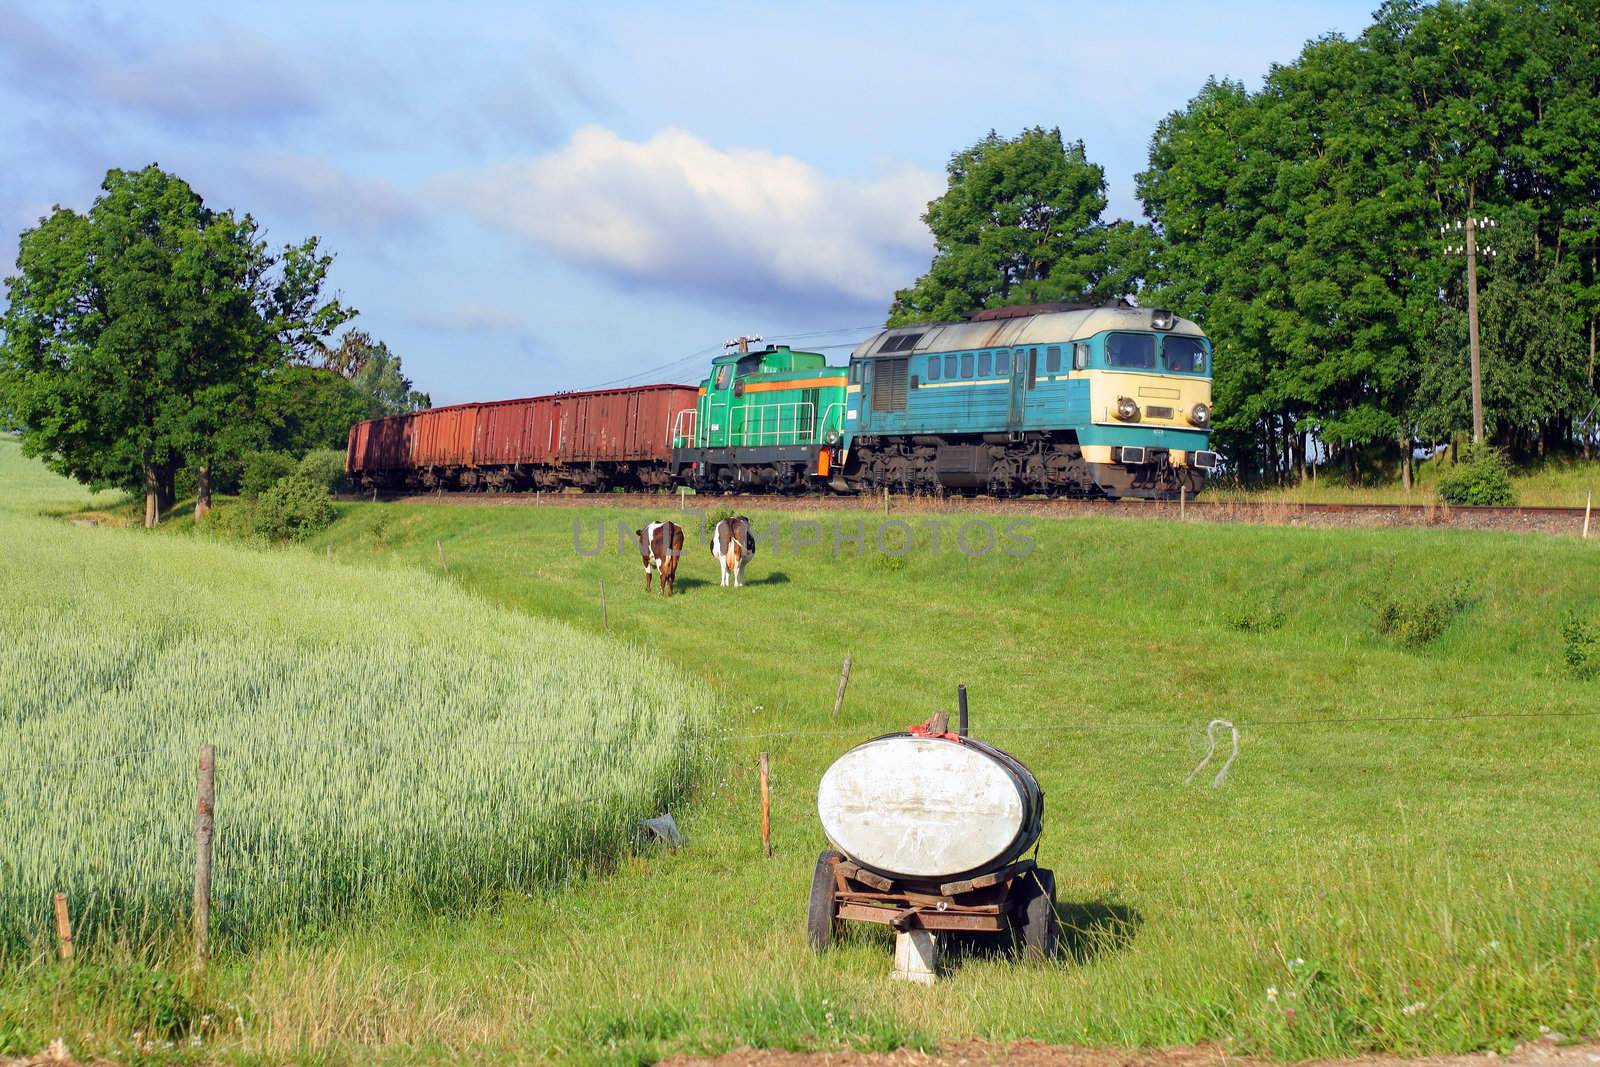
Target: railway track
(1551, 520)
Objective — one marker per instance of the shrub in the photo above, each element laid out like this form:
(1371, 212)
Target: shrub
(263, 470)
(234, 520)
(128, 994)
(325, 466)
(1583, 647)
(1482, 479)
(1416, 617)
(293, 509)
(1256, 615)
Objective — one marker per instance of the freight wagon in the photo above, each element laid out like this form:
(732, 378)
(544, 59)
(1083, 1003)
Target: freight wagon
(591, 440)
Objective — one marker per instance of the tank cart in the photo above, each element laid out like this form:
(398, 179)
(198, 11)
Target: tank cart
(929, 829)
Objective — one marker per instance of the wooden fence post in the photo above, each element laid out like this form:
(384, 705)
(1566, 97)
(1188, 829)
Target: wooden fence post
(766, 810)
(63, 928)
(204, 822)
(844, 680)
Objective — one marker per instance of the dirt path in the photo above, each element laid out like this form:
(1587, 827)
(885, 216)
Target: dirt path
(1030, 1053)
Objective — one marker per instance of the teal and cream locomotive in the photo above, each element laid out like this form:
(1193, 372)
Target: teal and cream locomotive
(1059, 399)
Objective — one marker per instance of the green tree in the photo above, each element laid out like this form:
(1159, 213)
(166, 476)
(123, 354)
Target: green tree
(1021, 224)
(1534, 360)
(376, 373)
(1299, 225)
(139, 336)
(307, 408)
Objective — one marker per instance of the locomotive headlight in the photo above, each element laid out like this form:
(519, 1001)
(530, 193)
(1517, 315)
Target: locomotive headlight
(1127, 410)
(1200, 415)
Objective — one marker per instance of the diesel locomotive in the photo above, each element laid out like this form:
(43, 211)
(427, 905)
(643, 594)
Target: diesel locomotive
(1058, 399)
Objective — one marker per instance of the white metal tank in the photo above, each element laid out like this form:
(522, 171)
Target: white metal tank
(930, 807)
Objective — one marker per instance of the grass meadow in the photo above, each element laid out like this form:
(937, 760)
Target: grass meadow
(1557, 482)
(1405, 885)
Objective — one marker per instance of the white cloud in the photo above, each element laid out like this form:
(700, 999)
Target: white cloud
(220, 73)
(678, 213)
(470, 317)
(318, 191)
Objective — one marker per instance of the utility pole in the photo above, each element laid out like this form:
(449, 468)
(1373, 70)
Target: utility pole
(1471, 250)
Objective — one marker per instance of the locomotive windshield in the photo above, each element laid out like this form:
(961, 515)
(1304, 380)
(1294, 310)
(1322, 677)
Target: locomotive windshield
(1131, 350)
(1186, 355)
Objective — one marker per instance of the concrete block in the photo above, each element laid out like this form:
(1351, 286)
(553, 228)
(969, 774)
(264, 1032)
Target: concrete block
(916, 956)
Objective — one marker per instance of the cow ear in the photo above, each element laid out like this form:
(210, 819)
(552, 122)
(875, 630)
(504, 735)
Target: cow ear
(638, 535)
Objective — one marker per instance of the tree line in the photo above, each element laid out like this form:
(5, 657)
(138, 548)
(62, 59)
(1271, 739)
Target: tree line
(155, 341)
(1299, 224)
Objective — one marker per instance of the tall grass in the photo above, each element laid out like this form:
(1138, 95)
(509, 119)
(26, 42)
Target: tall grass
(27, 488)
(384, 742)
(1564, 482)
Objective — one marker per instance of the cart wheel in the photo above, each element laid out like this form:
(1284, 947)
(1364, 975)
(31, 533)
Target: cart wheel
(1034, 922)
(820, 914)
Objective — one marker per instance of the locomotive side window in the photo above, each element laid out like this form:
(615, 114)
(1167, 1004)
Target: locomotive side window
(722, 376)
(949, 366)
(1186, 355)
(1052, 359)
(933, 368)
(1080, 356)
(1002, 362)
(983, 364)
(1131, 350)
(966, 364)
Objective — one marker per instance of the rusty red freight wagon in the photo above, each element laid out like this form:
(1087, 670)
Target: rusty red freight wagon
(594, 440)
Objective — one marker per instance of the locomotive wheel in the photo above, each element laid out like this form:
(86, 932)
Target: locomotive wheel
(823, 908)
(1034, 922)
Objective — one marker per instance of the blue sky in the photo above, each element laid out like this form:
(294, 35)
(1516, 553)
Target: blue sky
(531, 197)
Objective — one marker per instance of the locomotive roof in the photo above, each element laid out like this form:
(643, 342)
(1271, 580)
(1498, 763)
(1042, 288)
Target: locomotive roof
(1054, 327)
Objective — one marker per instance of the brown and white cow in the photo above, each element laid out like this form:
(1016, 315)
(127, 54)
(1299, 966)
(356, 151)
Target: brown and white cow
(660, 544)
(733, 543)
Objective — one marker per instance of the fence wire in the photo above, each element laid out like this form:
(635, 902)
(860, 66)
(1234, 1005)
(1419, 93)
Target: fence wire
(990, 727)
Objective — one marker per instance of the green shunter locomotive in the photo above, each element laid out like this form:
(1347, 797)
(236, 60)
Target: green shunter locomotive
(768, 419)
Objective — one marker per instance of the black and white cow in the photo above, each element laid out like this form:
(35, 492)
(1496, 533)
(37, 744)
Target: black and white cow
(733, 543)
(660, 544)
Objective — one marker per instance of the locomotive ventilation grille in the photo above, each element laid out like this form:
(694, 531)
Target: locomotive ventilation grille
(1158, 412)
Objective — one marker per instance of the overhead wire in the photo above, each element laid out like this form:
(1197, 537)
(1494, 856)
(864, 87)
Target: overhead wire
(711, 350)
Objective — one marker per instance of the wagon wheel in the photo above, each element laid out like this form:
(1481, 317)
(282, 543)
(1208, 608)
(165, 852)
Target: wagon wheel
(1034, 922)
(820, 914)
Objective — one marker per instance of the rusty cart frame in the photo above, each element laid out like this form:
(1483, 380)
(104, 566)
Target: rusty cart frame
(1018, 899)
